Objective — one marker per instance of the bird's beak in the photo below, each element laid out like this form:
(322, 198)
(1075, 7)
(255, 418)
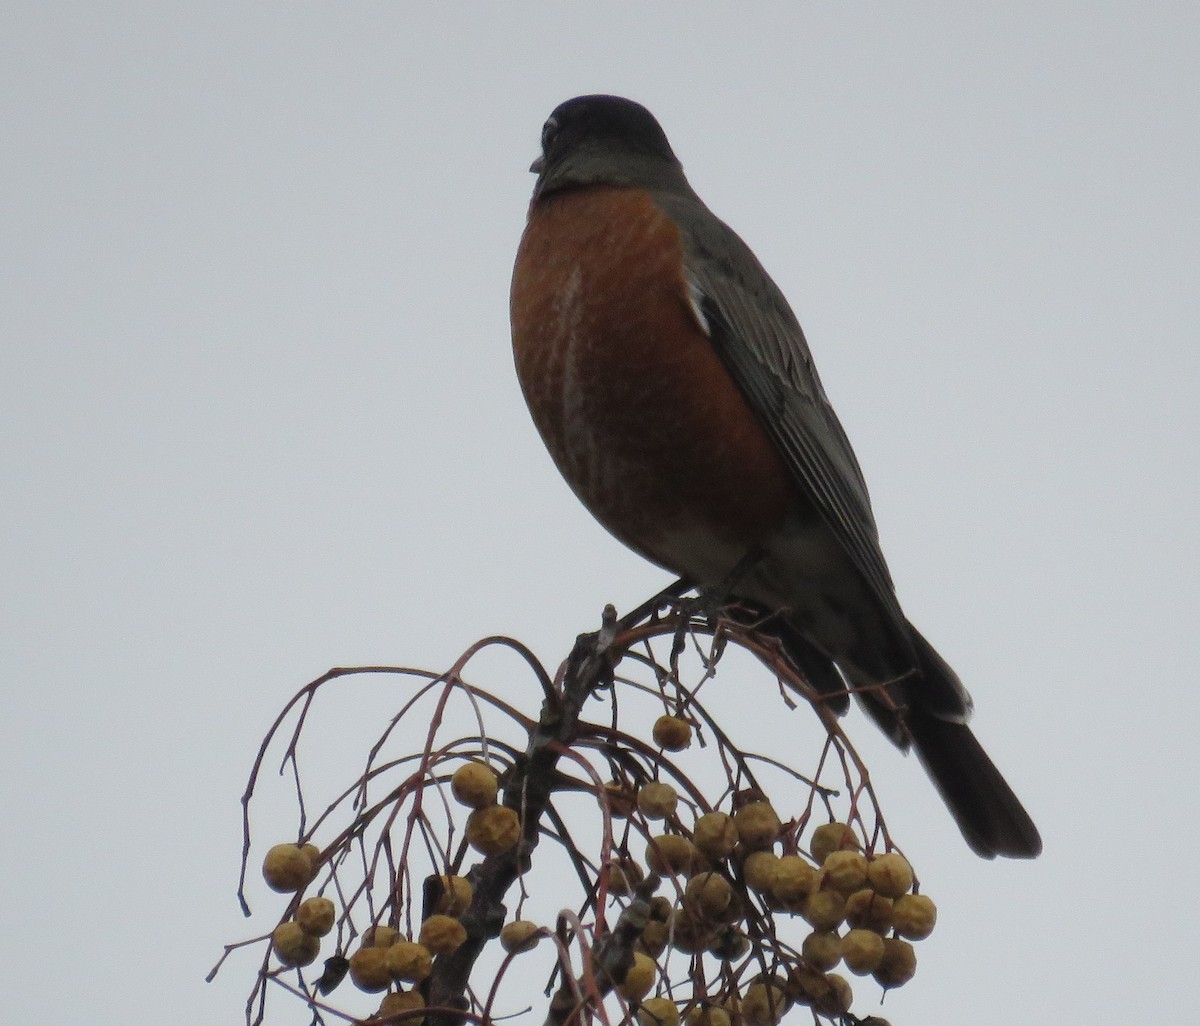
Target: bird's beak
(539, 165)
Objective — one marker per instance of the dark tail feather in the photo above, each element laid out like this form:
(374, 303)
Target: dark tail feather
(990, 816)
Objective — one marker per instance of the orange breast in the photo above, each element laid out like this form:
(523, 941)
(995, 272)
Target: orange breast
(635, 406)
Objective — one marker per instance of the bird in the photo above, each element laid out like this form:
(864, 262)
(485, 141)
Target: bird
(676, 393)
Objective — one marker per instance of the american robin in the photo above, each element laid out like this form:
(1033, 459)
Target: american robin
(675, 390)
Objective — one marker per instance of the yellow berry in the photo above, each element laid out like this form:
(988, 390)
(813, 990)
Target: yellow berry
(862, 951)
(830, 837)
(313, 853)
(409, 961)
(824, 910)
(657, 1011)
(475, 785)
(898, 965)
(669, 854)
(369, 970)
(519, 935)
(315, 916)
(867, 910)
(757, 825)
(494, 830)
(293, 946)
(792, 878)
(845, 871)
(708, 1015)
(823, 949)
(764, 1004)
(620, 799)
(729, 945)
(661, 907)
(287, 868)
(758, 870)
(890, 875)
(836, 1001)
(456, 895)
(715, 835)
(657, 800)
(688, 933)
(380, 936)
(638, 979)
(708, 896)
(624, 876)
(654, 938)
(403, 1001)
(672, 733)
(914, 916)
(442, 934)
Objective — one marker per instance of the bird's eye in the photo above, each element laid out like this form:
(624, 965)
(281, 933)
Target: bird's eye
(549, 131)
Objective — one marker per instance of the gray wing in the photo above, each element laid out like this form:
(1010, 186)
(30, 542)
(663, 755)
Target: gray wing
(762, 344)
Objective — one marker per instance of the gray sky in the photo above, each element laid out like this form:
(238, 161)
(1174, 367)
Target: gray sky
(259, 419)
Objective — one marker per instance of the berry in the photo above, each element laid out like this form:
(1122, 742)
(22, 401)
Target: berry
(519, 935)
(315, 916)
(456, 895)
(670, 854)
(494, 830)
(442, 934)
(862, 951)
(403, 1001)
(672, 733)
(369, 969)
(657, 1011)
(475, 785)
(890, 875)
(409, 961)
(757, 825)
(715, 835)
(914, 916)
(867, 910)
(293, 946)
(792, 878)
(898, 965)
(845, 871)
(830, 837)
(287, 868)
(823, 948)
(639, 978)
(657, 800)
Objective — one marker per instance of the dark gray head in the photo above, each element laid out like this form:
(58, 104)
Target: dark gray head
(605, 140)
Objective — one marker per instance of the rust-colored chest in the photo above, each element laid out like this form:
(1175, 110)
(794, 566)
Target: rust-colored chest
(635, 406)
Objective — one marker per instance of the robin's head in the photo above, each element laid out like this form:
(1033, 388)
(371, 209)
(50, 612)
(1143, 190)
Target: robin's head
(605, 140)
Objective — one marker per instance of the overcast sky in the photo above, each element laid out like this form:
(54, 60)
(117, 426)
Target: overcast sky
(259, 418)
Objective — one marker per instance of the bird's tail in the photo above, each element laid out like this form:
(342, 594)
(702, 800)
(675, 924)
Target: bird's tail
(989, 814)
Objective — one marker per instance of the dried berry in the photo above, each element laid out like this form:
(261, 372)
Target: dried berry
(287, 868)
(408, 961)
(293, 946)
(672, 733)
(757, 825)
(715, 835)
(657, 800)
(830, 837)
(898, 965)
(519, 935)
(890, 875)
(442, 934)
(315, 916)
(914, 916)
(862, 951)
(369, 969)
(475, 785)
(494, 830)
